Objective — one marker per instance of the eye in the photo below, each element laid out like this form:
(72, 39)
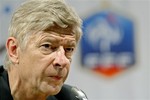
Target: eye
(69, 49)
(48, 48)
(69, 52)
(46, 45)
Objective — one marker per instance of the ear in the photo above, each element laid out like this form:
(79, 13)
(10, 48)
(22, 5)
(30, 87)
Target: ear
(12, 49)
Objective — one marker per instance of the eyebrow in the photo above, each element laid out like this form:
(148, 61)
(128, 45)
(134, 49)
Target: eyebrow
(70, 42)
(51, 39)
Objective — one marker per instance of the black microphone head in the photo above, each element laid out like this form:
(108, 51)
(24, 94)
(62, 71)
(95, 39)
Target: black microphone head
(70, 93)
(78, 93)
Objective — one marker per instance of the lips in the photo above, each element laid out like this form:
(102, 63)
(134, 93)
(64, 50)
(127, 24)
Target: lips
(57, 77)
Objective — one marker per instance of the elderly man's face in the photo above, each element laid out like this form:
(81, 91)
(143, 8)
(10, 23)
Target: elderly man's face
(45, 62)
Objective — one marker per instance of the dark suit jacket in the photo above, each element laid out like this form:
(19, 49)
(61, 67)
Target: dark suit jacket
(5, 94)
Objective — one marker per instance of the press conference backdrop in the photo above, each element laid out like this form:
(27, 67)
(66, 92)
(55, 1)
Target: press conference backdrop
(112, 60)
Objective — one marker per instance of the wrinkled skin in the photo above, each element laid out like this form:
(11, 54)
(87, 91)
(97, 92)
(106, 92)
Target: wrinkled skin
(41, 68)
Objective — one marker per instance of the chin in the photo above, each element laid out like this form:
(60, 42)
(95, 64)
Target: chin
(56, 89)
(51, 89)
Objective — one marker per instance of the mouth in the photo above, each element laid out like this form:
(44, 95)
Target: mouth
(56, 78)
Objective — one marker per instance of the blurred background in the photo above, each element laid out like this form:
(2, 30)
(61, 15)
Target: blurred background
(112, 60)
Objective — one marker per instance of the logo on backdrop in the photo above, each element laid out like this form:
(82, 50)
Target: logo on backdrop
(107, 45)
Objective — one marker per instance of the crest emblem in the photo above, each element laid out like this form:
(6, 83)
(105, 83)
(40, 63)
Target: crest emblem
(107, 44)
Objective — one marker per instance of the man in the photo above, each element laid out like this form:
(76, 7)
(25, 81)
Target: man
(43, 37)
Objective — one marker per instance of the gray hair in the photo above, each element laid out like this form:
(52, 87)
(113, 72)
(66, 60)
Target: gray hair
(39, 15)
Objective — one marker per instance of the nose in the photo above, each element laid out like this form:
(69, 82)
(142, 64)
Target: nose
(60, 59)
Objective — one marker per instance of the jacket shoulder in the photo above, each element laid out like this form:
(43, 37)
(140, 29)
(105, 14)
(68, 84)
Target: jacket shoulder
(5, 93)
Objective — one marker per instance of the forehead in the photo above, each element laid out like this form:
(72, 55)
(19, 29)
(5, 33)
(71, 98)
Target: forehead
(53, 34)
(56, 36)
(65, 31)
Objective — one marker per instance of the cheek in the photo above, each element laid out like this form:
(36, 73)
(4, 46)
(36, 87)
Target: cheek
(36, 62)
(66, 70)
(31, 66)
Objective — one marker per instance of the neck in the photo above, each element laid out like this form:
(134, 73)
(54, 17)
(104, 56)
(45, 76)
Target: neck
(21, 90)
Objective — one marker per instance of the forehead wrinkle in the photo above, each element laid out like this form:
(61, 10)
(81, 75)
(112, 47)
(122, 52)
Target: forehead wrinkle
(59, 30)
(61, 36)
(60, 39)
(45, 36)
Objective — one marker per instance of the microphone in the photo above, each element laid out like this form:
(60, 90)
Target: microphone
(78, 93)
(70, 93)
